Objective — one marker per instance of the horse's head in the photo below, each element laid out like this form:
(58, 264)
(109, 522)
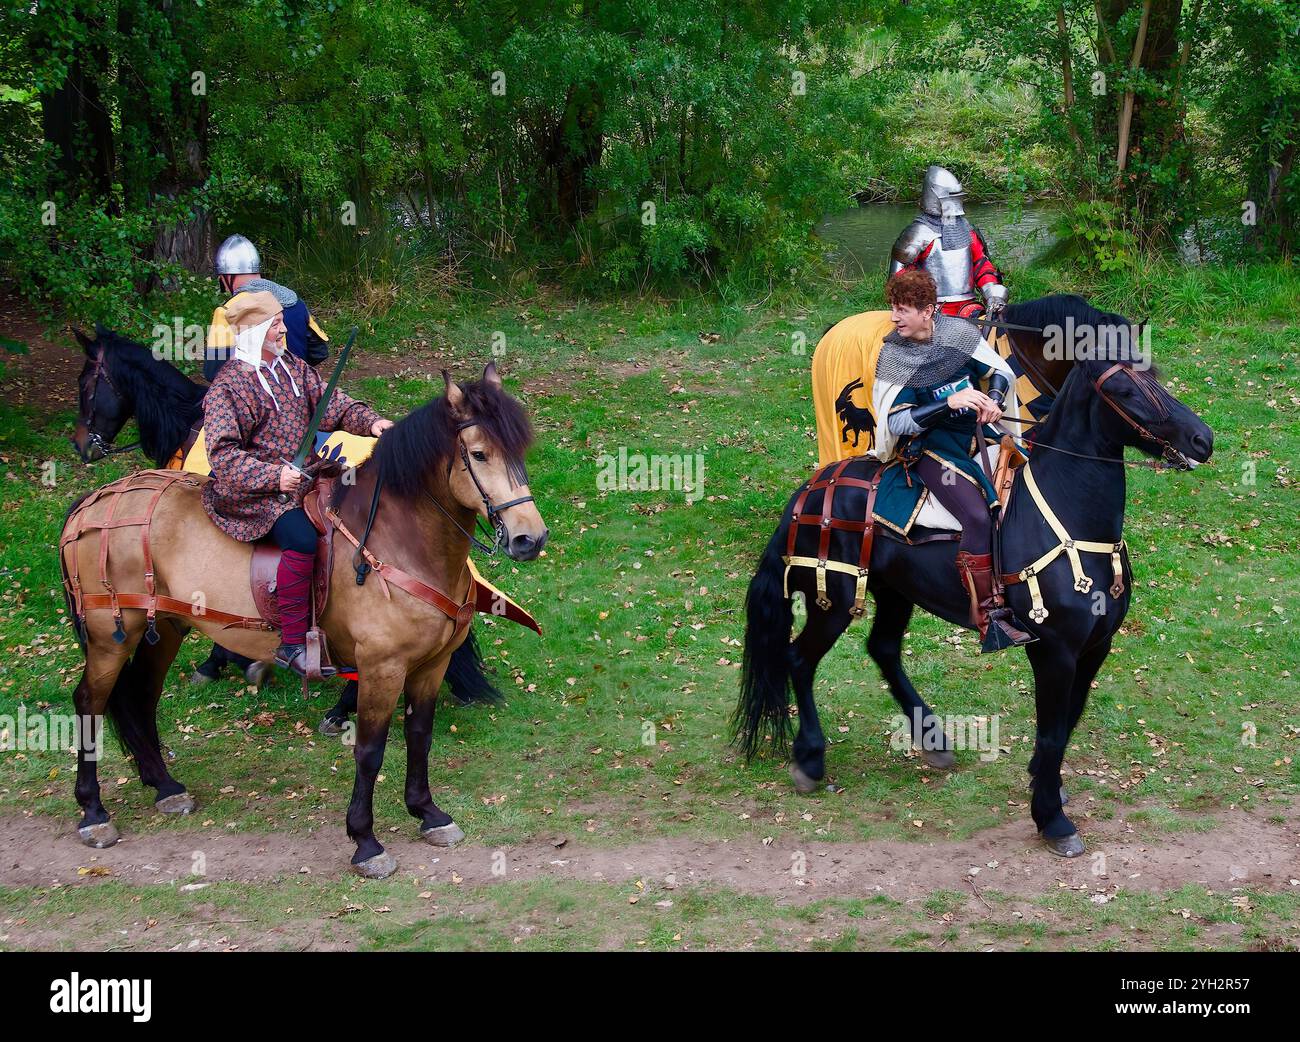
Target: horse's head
(487, 468)
(102, 410)
(1138, 410)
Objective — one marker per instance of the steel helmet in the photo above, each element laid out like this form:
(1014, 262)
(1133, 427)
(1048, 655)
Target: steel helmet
(941, 193)
(238, 256)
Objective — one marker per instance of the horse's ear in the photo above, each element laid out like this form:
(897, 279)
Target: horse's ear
(85, 341)
(455, 396)
(102, 331)
(491, 376)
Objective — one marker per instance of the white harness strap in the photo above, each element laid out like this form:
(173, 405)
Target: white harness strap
(1071, 547)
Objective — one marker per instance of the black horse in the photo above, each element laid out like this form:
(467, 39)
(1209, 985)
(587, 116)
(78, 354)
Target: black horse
(122, 379)
(1077, 464)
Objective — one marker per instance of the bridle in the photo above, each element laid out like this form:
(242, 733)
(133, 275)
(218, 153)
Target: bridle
(494, 526)
(93, 436)
(1144, 381)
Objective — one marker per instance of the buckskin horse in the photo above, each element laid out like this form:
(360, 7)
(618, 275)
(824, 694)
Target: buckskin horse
(409, 514)
(122, 379)
(1061, 537)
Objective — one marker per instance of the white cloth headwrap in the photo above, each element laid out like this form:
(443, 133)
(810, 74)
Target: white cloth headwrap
(248, 349)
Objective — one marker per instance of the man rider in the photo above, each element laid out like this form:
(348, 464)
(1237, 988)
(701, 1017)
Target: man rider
(951, 249)
(255, 416)
(238, 268)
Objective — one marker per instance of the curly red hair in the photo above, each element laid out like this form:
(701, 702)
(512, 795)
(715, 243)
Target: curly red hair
(912, 288)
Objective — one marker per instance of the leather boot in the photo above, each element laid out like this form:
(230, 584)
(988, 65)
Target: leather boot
(293, 594)
(997, 624)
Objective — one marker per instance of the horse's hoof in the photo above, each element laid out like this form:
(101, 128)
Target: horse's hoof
(939, 759)
(802, 783)
(444, 835)
(381, 866)
(1065, 846)
(177, 803)
(330, 727)
(98, 836)
(199, 677)
(258, 673)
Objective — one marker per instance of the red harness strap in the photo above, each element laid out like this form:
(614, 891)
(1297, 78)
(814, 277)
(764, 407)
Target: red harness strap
(461, 614)
(157, 482)
(825, 522)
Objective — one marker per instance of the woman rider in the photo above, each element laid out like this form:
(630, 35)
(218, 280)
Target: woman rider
(255, 416)
(938, 362)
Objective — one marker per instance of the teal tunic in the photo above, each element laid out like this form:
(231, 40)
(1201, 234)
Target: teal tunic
(952, 441)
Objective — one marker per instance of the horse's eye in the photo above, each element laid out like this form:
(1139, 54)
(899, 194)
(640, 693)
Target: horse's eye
(481, 457)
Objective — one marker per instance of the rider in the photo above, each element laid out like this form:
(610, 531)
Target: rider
(942, 242)
(238, 268)
(936, 361)
(255, 416)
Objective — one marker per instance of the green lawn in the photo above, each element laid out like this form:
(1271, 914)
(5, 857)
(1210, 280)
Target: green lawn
(616, 724)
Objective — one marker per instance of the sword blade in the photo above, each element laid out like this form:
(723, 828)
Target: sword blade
(309, 439)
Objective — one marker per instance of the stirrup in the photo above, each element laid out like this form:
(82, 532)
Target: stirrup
(1003, 631)
(293, 657)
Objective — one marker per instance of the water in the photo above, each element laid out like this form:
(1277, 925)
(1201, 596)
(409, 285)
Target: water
(861, 238)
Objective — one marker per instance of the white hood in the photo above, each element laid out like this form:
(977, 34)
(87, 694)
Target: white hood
(248, 349)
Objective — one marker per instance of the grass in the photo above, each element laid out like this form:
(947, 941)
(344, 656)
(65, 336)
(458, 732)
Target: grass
(616, 727)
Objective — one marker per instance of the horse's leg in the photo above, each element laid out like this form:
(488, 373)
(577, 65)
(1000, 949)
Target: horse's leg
(211, 667)
(885, 646)
(1085, 672)
(104, 666)
(377, 697)
(436, 826)
(1054, 674)
(820, 633)
(335, 719)
(137, 717)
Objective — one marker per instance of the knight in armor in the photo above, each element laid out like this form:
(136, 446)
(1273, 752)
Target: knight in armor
(238, 267)
(928, 376)
(950, 249)
(255, 415)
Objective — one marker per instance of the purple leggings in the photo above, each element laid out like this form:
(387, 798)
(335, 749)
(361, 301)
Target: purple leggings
(962, 498)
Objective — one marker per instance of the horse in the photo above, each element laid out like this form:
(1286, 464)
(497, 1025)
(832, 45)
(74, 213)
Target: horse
(457, 458)
(1077, 469)
(123, 379)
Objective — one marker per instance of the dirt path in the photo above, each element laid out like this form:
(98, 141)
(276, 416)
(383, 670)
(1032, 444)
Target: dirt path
(1243, 850)
(45, 377)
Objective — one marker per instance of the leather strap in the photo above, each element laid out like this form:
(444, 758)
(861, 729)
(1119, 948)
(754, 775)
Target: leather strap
(173, 606)
(461, 614)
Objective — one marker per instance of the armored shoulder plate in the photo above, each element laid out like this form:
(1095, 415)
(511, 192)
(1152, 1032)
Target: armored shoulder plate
(915, 238)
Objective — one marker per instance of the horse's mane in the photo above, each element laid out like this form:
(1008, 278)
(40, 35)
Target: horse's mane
(426, 437)
(1058, 308)
(166, 401)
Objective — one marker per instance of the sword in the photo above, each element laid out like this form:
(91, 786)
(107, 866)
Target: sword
(999, 324)
(309, 439)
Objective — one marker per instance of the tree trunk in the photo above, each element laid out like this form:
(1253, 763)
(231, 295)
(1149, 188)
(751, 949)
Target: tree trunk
(75, 121)
(580, 140)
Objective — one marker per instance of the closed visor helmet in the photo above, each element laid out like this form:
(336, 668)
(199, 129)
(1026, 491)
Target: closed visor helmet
(238, 256)
(942, 193)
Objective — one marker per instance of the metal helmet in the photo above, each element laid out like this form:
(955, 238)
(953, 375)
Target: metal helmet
(238, 256)
(941, 193)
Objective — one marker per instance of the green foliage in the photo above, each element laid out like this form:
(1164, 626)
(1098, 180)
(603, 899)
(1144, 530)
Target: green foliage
(1095, 232)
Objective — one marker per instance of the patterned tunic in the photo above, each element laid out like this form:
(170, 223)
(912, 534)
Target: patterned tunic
(249, 440)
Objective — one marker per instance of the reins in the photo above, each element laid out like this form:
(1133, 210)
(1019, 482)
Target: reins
(92, 435)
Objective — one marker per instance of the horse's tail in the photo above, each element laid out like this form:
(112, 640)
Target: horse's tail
(764, 705)
(465, 676)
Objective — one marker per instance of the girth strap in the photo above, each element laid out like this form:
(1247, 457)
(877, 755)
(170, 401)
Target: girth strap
(1071, 547)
